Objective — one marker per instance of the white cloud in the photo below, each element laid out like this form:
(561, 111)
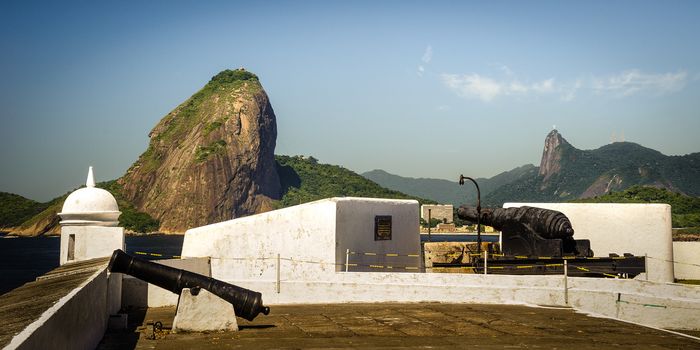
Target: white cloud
(544, 86)
(427, 57)
(506, 70)
(626, 83)
(473, 85)
(633, 81)
(486, 88)
(428, 54)
(569, 92)
(518, 87)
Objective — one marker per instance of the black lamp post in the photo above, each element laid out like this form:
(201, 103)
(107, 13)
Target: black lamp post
(429, 220)
(478, 210)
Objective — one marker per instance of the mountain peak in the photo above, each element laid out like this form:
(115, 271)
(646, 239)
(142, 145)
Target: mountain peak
(215, 152)
(230, 76)
(552, 154)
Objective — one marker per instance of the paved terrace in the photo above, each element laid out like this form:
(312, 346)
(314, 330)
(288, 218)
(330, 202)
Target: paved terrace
(402, 326)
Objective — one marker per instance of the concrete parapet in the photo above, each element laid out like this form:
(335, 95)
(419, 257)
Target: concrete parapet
(664, 305)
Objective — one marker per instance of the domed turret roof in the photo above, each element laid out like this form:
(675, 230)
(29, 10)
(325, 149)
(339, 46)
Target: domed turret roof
(90, 206)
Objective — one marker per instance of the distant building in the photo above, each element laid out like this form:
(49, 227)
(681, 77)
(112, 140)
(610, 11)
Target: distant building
(442, 212)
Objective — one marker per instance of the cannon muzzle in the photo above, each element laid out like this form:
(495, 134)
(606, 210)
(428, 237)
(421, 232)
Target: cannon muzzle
(246, 303)
(545, 222)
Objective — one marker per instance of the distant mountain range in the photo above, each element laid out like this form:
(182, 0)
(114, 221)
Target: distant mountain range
(565, 173)
(445, 191)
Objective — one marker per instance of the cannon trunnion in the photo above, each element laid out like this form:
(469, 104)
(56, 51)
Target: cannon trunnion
(246, 303)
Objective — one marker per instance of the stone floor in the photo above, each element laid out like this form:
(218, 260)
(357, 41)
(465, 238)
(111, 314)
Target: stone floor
(401, 326)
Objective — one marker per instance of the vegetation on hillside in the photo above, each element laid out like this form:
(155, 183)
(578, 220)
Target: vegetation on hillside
(131, 219)
(304, 180)
(613, 167)
(15, 209)
(685, 209)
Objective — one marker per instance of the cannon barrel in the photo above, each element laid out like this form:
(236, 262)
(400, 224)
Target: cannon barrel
(246, 303)
(547, 223)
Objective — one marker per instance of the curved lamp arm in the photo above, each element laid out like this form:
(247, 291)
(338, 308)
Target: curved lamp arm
(478, 210)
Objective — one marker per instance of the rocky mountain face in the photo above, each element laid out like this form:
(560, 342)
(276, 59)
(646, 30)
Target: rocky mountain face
(567, 173)
(211, 159)
(550, 164)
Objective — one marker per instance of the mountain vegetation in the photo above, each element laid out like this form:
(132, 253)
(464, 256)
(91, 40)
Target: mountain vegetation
(45, 219)
(567, 173)
(304, 179)
(15, 209)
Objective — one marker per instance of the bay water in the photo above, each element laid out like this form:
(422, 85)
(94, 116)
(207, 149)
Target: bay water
(23, 259)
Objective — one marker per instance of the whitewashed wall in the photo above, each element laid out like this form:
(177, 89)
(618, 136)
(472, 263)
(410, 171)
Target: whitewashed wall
(320, 231)
(622, 228)
(317, 234)
(687, 257)
(247, 247)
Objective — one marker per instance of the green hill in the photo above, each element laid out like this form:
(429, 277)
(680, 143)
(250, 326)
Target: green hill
(304, 179)
(44, 219)
(685, 209)
(15, 209)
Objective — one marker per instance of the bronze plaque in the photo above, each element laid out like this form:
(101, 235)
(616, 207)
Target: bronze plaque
(382, 227)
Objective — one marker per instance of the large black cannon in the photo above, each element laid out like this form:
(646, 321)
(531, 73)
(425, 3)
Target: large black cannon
(246, 303)
(531, 231)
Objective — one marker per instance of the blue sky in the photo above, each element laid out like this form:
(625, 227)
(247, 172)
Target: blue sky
(421, 89)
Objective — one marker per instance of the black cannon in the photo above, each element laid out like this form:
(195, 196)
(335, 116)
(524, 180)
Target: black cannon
(246, 303)
(531, 231)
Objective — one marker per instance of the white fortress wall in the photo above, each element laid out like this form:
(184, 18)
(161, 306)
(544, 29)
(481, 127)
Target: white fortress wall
(312, 239)
(622, 228)
(687, 257)
(316, 235)
(247, 248)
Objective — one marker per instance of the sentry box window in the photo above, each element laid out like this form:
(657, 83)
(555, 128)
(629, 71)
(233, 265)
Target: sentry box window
(382, 228)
